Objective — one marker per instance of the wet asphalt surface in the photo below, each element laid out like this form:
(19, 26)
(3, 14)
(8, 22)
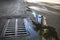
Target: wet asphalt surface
(12, 8)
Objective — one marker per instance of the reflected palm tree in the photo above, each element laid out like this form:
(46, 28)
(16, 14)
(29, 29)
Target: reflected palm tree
(50, 33)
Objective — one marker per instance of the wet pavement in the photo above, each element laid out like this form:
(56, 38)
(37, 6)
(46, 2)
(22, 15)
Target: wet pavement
(19, 29)
(13, 12)
(50, 10)
(13, 8)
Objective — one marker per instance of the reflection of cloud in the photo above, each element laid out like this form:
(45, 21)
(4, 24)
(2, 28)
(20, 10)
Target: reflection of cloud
(39, 18)
(34, 14)
(49, 1)
(43, 10)
(34, 7)
(32, 1)
(38, 8)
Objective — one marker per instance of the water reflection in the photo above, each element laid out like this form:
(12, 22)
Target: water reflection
(33, 13)
(37, 16)
(29, 28)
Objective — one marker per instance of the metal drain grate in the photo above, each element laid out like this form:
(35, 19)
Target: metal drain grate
(15, 28)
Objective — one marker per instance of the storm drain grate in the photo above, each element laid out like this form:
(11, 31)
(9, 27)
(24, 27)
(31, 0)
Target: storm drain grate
(15, 28)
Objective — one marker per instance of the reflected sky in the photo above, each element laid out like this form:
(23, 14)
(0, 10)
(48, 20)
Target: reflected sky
(33, 13)
(29, 28)
(37, 16)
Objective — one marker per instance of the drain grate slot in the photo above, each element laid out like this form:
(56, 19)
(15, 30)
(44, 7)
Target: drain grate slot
(15, 28)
